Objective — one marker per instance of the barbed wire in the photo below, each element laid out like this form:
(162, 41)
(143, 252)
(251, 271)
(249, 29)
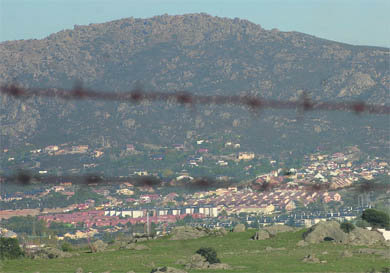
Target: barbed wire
(138, 95)
(25, 178)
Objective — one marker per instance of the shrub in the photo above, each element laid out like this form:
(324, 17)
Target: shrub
(361, 223)
(377, 218)
(347, 227)
(9, 249)
(66, 247)
(209, 253)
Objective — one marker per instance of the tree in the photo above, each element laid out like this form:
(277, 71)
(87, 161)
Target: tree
(347, 227)
(209, 253)
(377, 218)
(9, 249)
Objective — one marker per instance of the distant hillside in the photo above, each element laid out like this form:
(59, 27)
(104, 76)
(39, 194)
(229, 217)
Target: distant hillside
(198, 53)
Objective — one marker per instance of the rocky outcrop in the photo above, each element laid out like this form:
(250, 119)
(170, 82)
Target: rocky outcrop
(311, 258)
(330, 231)
(199, 262)
(275, 229)
(270, 231)
(326, 231)
(188, 232)
(49, 253)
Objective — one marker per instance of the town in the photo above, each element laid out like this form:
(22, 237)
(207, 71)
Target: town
(279, 195)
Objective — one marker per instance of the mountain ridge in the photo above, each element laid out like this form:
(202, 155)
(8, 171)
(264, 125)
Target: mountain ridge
(196, 53)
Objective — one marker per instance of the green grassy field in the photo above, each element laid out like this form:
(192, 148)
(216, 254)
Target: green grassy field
(235, 249)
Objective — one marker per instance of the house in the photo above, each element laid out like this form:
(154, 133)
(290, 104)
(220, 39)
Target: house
(130, 148)
(51, 148)
(80, 149)
(125, 192)
(178, 147)
(222, 163)
(141, 173)
(98, 153)
(245, 156)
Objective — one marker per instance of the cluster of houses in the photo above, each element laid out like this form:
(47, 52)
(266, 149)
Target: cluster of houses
(114, 217)
(234, 202)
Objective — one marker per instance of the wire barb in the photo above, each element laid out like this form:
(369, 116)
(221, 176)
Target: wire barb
(184, 98)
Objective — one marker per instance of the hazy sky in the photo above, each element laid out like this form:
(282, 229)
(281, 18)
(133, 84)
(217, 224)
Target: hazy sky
(351, 21)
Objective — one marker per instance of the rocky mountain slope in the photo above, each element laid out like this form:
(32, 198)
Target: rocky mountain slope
(197, 53)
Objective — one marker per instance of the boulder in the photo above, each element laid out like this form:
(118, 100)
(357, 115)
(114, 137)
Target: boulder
(187, 232)
(167, 269)
(261, 235)
(311, 258)
(197, 261)
(216, 232)
(79, 270)
(239, 228)
(275, 229)
(346, 254)
(99, 246)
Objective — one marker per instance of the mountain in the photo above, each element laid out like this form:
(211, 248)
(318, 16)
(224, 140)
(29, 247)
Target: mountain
(196, 53)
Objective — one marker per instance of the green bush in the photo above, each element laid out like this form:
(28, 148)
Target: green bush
(9, 249)
(377, 218)
(361, 223)
(347, 227)
(209, 253)
(66, 247)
